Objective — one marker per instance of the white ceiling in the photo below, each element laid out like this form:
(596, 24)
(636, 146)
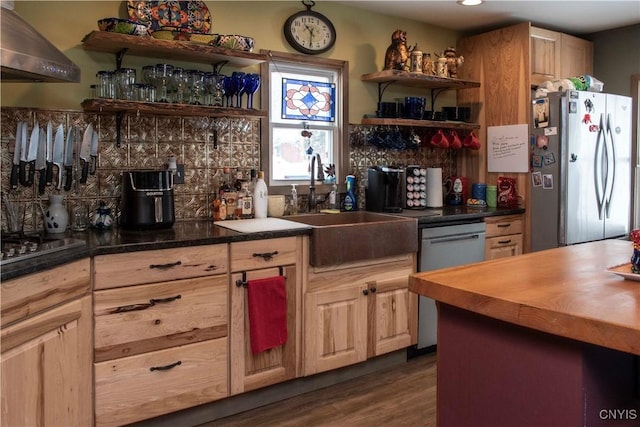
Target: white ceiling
(577, 17)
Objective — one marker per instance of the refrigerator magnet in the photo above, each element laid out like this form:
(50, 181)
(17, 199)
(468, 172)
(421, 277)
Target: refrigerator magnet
(536, 179)
(541, 112)
(549, 159)
(547, 181)
(536, 161)
(542, 141)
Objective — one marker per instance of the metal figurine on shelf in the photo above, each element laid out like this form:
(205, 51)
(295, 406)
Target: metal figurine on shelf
(397, 55)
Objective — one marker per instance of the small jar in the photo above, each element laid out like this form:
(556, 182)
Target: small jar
(105, 85)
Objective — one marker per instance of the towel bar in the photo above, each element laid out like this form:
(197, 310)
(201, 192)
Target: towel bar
(243, 282)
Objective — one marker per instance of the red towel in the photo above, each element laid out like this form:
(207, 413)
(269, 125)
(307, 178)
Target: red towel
(267, 312)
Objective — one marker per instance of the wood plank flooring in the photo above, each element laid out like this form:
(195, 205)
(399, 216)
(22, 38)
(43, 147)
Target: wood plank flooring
(402, 396)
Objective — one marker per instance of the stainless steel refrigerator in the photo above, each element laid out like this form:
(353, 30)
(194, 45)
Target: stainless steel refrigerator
(580, 168)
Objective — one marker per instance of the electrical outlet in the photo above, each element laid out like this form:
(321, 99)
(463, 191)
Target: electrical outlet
(178, 176)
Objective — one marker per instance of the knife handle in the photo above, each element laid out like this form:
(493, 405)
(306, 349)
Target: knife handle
(92, 166)
(85, 171)
(32, 172)
(49, 172)
(43, 181)
(15, 169)
(68, 176)
(23, 173)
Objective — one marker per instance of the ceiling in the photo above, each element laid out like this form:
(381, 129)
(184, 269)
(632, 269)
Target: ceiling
(577, 17)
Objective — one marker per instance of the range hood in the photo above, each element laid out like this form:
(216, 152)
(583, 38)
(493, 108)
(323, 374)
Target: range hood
(26, 56)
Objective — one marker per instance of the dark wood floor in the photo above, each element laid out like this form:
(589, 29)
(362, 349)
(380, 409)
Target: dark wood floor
(402, 396)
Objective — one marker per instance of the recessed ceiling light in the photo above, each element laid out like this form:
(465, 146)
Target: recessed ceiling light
(469, 2)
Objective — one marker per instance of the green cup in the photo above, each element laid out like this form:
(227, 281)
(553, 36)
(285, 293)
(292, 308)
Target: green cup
(492, 196)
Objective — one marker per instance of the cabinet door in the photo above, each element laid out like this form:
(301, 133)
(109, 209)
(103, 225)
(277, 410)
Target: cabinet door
(545, 55)
(503, 246)
(335, 328)
(46, 368)
(251, 371)
(393, 316)
(576, 57)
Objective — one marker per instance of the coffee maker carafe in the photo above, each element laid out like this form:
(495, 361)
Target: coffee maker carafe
(383, 189)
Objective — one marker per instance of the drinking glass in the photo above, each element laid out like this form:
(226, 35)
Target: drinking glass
(162, 76)
(180, 84)
(230, 90)
(149, 78)
(209, 82)
(239, 81)
(196, 83)
(251, 87)
(125, 79)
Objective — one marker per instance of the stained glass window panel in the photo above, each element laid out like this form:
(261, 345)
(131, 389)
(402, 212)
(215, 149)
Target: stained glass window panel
(308, 100)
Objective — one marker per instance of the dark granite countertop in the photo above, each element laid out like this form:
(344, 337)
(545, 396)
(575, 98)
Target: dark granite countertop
(195, 233)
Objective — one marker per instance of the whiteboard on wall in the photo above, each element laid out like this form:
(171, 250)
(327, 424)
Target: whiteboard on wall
(507, 148)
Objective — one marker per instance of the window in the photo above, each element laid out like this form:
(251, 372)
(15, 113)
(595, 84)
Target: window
(305, 98)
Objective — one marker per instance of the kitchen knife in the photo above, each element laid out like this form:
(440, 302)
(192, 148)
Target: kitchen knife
(68, 160)
(49, 153)
(15, 167)
(58, 153)
(84, 153)
(30, 165)
(23, 155)
(94, 153)
(41, 162)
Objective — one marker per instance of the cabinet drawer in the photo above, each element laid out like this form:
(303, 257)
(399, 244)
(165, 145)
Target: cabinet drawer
(502, 226)
(125, 269)
(503, 246)
(33, 293)
(151, 384)
(263, 253)
(143, 318)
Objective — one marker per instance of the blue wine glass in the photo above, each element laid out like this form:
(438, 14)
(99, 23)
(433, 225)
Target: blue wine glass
(239, 79)
(251, 87)
(230, 90)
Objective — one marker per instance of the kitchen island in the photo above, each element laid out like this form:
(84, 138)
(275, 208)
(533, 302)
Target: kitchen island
(547, 339)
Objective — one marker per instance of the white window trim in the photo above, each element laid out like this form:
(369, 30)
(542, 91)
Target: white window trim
(341, 148)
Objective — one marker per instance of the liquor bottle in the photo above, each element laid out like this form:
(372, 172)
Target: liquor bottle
(223, 209)
(229, 194)
(247, 202)
(216, 208)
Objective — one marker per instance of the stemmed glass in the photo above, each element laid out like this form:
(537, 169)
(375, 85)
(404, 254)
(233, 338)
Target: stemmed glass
(179, 83)
(149, 77)
(239, 79)
(163, 74)
(230, 89)
(196, 81)
(251, 87)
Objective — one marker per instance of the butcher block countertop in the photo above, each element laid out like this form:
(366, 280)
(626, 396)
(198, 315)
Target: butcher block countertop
(565, 292)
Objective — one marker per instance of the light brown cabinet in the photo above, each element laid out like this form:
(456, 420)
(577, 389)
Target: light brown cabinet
(503, 237)
(46, 356)
(557, 55)
(256, 260)
(160, 345)
(357, 311)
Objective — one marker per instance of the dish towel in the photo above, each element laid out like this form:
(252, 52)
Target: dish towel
(267, 299)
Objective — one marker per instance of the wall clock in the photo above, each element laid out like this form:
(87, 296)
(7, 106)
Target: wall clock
(309, 32)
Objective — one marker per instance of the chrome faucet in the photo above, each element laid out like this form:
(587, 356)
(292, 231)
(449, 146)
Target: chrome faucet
(316, 174)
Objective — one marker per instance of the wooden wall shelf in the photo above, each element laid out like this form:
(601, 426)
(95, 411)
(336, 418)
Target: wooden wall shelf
(441, 124)
(166, 108)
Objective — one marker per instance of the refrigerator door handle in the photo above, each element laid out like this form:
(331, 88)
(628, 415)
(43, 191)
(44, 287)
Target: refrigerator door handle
(610, 151)
(599, 159)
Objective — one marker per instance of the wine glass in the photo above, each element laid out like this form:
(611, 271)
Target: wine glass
(230, 89)
(196, 81)
(209, 82)
(149, 77)
(179, 83)
(239, 79)
(163, 74)
(251, 87)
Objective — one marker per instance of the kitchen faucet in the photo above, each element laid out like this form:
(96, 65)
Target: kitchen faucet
(313, 201)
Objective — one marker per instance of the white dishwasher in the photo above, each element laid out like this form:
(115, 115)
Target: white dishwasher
(440, 247)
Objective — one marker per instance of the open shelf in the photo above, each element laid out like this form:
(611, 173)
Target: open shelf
(100, 105)
(417, 80)
(441, 124)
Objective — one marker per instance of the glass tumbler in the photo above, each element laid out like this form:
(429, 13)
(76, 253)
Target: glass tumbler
(125, 80)
(105, 86)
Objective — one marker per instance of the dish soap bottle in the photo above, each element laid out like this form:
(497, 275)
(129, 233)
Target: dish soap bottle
(350, 200)
(333, 195)
(260, 197)
(294, 199)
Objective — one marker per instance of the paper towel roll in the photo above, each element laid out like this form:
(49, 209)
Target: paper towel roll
(434, 187)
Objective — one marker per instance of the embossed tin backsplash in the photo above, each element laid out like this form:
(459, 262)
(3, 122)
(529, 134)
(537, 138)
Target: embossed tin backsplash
(147, 142)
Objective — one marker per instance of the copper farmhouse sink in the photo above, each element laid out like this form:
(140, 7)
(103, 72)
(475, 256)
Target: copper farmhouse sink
(356, 236)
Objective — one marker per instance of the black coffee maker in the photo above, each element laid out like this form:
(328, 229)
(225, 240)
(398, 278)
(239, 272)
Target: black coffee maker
(383, 189)
(147, 199)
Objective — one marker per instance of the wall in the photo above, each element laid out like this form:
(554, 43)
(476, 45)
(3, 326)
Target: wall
(617, 58)
(149, 140)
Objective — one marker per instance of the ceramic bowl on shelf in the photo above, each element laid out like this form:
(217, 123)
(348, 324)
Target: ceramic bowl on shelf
(234, 42)
(123, 26)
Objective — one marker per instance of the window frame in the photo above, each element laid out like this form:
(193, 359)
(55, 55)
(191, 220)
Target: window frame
(341, 149)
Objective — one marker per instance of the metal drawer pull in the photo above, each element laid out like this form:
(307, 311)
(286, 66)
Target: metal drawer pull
(144, 306)
(504, 242)
(504, 225)
(166, 266)
(267, 256)
(165, 368)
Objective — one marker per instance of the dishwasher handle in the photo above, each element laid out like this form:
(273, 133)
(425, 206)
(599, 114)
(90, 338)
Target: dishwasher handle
(455, 238)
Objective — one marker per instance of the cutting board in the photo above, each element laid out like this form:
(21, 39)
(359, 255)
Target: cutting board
(257, 225)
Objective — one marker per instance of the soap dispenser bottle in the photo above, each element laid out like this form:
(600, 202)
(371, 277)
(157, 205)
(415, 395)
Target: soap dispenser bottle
(294, 200)
(350, 200)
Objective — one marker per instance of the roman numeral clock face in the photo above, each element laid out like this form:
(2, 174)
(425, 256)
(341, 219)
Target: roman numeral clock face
(310, 32)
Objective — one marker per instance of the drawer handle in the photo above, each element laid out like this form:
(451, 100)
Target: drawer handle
(166, 367)
(144, 306)
(504, 225)
(166, 266)
(504, 242)
(267, 256)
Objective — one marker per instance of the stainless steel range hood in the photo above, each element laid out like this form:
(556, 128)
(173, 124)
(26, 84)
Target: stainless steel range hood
(26, 56)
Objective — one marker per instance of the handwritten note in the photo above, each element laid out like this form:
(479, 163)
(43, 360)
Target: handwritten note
(507, 149)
